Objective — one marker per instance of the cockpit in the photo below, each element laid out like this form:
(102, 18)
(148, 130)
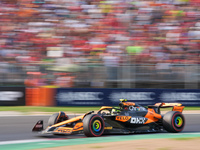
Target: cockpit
(124, 107)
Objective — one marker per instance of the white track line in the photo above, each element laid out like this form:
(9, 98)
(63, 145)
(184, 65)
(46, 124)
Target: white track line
(21, 141)
(45, 140)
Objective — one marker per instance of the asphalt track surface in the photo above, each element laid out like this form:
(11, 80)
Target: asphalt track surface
(19, 127)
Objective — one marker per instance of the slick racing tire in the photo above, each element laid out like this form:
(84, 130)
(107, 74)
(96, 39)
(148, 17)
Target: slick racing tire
(173, 121)
(93, 125)
(57, 117)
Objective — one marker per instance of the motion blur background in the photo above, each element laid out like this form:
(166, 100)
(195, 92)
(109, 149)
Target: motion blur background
(100, 44)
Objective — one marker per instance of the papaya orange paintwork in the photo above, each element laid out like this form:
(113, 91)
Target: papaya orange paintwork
(129, 117)
(178, 108)
(78, 126)
(68, 121)
(152, 116)
(128, 104)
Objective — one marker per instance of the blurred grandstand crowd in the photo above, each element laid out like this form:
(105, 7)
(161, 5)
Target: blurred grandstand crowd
(59, 40)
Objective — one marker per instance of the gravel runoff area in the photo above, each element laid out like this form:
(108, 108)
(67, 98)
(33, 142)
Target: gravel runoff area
(151, 144)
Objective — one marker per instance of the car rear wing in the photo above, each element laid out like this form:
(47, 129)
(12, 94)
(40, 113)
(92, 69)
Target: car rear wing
(175, 106)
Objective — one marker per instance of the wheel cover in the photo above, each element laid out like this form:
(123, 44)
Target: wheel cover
(178, 121)
(96, 125)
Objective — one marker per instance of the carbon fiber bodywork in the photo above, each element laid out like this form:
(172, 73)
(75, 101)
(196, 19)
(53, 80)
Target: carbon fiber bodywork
(125, 119)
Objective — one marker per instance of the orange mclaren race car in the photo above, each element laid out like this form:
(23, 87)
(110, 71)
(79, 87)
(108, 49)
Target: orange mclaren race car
(127, 118)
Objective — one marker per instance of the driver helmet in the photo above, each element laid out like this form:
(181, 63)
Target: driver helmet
(115, 111)
(121, 105)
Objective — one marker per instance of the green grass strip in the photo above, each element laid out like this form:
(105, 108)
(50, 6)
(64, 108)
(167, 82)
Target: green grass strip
(65, 109)
(47, 109)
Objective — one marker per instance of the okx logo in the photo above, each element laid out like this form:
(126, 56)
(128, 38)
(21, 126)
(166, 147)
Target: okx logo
(138, 120)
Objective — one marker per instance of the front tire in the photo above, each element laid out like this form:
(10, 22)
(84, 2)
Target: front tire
(173, 121)
(93, 125)
(57, 117)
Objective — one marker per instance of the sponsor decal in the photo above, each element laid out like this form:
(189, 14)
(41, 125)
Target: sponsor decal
(81, 96)
(179, 96)
(63, 130)
(141, 96)
(122, 118)
(132, 108)
(138, 120)
(110, 97)
(10, 95)
(108, 128)
(38, 125)
(179, 108)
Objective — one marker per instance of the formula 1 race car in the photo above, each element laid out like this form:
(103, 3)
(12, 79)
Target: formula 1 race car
(128, 118)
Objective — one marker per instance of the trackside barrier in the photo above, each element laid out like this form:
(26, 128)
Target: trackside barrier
(110, 97)
(12, 96)
(40, 96)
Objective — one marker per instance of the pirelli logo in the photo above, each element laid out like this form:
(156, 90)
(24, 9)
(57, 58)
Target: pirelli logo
(122, 118)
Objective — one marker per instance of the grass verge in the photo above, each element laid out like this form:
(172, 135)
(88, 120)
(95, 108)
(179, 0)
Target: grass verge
(65, 109)
(47, 109)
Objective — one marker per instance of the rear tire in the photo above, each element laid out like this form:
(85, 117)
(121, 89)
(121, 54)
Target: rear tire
(57, 117)
(173, 121)
(93, 125)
